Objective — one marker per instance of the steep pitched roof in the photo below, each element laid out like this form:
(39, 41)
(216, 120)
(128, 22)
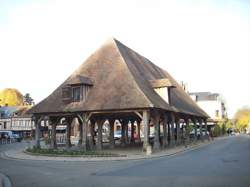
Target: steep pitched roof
(122, 79)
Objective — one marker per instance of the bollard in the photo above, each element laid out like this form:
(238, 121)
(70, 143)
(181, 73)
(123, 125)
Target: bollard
(149, 150)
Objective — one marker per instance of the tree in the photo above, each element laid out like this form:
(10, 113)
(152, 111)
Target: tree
(28, 100)
(229, 124)
(242, 119)
(222, 127)
(11, 97)
(217, 130)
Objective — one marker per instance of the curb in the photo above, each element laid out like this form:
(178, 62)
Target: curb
(4, 181)
(99, 159)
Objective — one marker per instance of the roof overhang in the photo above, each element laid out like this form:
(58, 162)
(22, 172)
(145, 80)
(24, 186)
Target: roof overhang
(79, 79)
(159, 83)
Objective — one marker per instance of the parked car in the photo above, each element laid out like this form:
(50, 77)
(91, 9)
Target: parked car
(6, 134)
(233, 133)
(192, 133)
(118, 135)
(10, 135)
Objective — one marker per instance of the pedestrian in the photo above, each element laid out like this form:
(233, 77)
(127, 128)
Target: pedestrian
(211, 134)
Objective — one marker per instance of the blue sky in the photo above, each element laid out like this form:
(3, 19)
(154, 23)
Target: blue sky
(203, 43)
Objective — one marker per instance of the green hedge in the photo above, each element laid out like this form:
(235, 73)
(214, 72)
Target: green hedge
(63, 152)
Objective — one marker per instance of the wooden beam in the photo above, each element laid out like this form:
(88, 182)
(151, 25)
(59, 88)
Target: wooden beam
(138, 114)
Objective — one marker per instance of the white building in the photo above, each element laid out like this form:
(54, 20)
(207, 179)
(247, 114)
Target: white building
(211, 103)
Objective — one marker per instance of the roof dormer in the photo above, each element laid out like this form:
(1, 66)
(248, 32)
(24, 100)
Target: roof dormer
(76, 89)
(162, 88)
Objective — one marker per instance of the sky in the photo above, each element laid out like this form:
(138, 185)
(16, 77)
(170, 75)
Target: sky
(205, 43)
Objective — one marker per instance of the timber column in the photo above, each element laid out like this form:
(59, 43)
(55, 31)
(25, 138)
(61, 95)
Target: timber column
(84, 132)
(123, 122)
(53, 143)
(37, 132)
(205, 121)
(165, 137)
(83, 142)
(126, 133)
(172, 120)
(200, 126)
(195, 129)
(169, 133)
(187, 133)
(68, 132)
(139, 130)
(99, 136)
(178, 136)
(111, 133)
(132, 140)
(156, 120)
(145, 120)
(92, 134)
(80, 134)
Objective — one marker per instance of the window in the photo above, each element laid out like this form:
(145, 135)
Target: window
(4, 125)
(79, 93)
(163, 92)
(76, 94)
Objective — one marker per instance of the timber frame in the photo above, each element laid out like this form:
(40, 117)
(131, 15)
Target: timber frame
(120, 85)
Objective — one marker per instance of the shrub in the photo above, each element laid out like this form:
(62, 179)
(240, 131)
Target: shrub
(217, 130)
(63, 152)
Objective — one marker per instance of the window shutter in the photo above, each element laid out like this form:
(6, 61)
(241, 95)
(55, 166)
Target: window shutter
(66, 94)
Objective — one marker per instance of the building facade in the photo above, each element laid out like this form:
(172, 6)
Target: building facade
(16, 120)
(212, 104)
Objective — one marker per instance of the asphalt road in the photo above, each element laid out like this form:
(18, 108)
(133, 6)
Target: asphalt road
(225, 162)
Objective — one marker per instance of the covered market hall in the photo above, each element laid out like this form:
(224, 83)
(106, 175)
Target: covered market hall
(116, 85)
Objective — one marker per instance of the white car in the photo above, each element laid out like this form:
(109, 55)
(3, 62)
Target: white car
(198, 132)
(117, 135)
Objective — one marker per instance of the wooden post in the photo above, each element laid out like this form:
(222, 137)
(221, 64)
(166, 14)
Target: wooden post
(132, 131)
(124, 123)
(111, 133)
(200, 126)
(169, 134)
(53, 143)
(92, 134)
(80, 133)
(178, 136)
(68, 133)
(195, 128)
(205, 121)
(37, 132)
(156, 120)
(139, 130)
(126, 133)
(172, 120)
(145, 120)
(99, 136)
(84, 132)
(165, 123)
(187, 133)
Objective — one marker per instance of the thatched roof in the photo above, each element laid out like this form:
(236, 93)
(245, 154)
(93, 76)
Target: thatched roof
(76, 80)
(122, 79)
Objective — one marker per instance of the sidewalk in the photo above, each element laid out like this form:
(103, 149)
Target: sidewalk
(130, 155)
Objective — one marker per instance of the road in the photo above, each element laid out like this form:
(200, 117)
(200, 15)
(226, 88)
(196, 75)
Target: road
(225, 162)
